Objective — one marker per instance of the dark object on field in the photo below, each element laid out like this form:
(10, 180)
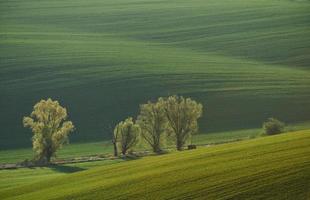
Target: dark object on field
(191, 146)
(273, 126)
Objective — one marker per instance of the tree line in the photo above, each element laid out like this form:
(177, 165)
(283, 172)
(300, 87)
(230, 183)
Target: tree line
(171, 117)
(174, 116)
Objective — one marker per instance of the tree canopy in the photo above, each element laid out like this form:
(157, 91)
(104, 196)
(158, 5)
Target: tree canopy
(153, 123)
(127, 134)
(182, 115)
(50, 128)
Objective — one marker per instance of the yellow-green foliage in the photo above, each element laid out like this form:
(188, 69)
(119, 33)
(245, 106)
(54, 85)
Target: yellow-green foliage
(182, 115)
(127, 134)
(153, 123)
(50, 130)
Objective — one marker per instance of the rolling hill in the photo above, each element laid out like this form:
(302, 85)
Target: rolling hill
(275, 167)
(244, 60)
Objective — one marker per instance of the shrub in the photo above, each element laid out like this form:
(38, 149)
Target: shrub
(273, 126)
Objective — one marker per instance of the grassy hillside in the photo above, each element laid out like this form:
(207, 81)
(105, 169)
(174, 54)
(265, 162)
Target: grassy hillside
(105, 147)
(275, 167)
(25, 176)
(244, 60)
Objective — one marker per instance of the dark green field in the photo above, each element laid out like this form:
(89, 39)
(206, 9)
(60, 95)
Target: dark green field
(275, 167)
(244, 60)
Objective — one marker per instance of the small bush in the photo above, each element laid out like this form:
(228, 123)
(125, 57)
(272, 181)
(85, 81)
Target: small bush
(273, 126)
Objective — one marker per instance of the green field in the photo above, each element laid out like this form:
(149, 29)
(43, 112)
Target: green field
(274, 167)
(244, 60)
(106, 148)
(24, 176)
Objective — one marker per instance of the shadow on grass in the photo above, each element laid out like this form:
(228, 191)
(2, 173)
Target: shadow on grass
(159, 153)
(65, 169)
(137, 156)
(130, 157)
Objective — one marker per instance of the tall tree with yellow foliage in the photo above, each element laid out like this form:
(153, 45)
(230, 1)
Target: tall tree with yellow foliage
(182, 115)
(50, 128)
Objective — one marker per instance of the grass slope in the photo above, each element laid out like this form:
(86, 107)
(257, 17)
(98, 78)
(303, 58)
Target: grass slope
(25, 176)
(244, 60)
(275, 167)
(105, 147)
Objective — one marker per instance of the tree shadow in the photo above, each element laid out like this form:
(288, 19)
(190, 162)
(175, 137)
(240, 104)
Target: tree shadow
(130, 157)
(65, 168)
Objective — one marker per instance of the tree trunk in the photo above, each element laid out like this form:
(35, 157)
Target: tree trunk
(48, 157)
(156, 149)
(115, 148)
(179, 145)
(124, 151)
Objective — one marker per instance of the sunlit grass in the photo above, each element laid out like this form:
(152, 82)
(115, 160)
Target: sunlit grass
(272, 167)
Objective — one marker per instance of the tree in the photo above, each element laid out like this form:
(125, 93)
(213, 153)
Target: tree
(109, 128)
(50, 130)
(182, 115)
(273, 126)
(153, 123)
(127, 134)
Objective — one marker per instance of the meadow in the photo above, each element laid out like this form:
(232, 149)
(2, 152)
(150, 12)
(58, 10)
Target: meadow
(273, 167)
(244, 60)
(105, 148)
